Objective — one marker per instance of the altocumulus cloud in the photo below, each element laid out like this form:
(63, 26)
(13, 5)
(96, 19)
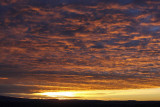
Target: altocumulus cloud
(79, 45)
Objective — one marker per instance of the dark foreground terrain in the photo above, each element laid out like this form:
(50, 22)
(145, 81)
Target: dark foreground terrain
(18, 102)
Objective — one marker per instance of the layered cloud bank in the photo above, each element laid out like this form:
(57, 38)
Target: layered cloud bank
(79, 45)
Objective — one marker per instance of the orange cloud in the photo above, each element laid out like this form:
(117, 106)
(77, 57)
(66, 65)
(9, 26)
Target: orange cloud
(79, 47)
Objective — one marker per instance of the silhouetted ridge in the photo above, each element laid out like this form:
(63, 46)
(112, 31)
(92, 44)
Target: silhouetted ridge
(20, 102)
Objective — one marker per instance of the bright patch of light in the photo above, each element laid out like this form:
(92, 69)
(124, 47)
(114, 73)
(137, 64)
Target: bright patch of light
(58, 94)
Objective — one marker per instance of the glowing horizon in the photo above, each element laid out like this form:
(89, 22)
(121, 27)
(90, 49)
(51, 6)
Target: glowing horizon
(104, 95)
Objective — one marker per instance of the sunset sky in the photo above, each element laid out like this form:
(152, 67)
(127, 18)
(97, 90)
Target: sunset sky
(80, 49)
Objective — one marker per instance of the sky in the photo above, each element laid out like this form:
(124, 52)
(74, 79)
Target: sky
(80, 49)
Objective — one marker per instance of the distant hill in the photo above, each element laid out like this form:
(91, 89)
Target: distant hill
(5, 98)
(20, 102)
(11, 99)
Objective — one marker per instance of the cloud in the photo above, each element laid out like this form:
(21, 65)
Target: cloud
(79, 45)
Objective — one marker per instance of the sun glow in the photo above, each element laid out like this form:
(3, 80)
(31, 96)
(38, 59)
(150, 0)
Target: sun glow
(58, 94)
(130, 94)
